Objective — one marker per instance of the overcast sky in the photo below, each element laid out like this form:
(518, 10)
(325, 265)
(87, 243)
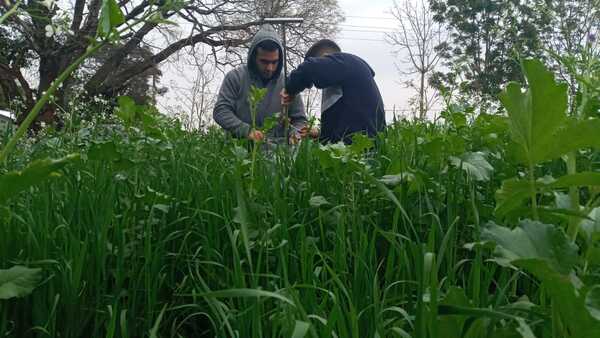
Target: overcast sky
(362, 33)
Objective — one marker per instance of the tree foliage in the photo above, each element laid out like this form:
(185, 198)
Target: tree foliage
(50, 35)
(486, 37)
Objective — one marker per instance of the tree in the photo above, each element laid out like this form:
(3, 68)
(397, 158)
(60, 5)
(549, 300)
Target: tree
(141, 87)
(573, 41)
(51, 37)
(194, 103)
(489, 38)
(418, 35)
(486, 39)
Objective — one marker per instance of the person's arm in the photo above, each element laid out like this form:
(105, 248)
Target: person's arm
(297, 114)
(322, 72)
(224, 111)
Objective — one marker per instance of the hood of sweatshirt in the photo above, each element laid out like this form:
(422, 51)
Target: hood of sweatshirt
(266, 33)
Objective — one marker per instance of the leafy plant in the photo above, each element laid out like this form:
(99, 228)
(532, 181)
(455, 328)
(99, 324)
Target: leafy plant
(543, 131)
(546, 252)
(18, 281)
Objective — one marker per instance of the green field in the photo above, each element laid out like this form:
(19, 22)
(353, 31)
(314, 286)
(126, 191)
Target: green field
(458, 228)
(142, 229)
(119, 220)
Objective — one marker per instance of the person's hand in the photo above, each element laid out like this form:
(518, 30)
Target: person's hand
(311, 132)
(256, 135)
(295, 138)
(286, 99)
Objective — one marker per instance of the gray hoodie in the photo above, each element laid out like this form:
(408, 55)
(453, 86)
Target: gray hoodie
(232, 110)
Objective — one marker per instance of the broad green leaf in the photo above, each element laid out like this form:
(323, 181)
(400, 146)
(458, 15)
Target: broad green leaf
(360, 143)
(545, 251)
(269, 123)
(148, 119)
(536, 114)
(318, 201)
(256, 94)
(242, 293)
(577, 134)
(325, 159)
(38, 171)
(511, 196)
(104, 20)
(576, 180)
(300, 329)
(592, 302)
(18, 281)
(110, 18)
(564, 291)
(127, 110)
(474, 164)
(533, 240)
(455, 144)
(434, 148)
(116, 15)
(459, 120)
(514, 192)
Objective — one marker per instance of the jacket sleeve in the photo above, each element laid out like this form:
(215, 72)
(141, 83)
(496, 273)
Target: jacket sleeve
(322, 72)
(296, 113)
(224, 111)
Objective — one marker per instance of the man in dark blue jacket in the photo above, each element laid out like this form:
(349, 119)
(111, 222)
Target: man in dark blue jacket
(351, 100)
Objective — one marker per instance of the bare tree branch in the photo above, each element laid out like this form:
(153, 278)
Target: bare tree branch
(91, 22)
(417, 36)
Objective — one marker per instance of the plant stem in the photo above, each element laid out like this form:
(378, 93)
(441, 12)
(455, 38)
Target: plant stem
(10, 12)
(42, 101)
(573, 196)
(532, 189)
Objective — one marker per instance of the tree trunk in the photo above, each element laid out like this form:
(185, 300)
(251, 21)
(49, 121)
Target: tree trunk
(49, 69)
(422, 97)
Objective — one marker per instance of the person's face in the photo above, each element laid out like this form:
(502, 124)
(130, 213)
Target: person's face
(266, 63)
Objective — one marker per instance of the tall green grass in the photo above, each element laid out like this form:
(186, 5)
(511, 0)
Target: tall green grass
(164, 233)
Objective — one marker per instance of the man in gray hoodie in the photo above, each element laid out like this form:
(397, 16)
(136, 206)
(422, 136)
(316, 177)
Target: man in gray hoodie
(263, 70)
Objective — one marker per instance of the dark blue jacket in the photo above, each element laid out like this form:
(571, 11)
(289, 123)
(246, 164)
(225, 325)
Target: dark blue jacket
(360, 109)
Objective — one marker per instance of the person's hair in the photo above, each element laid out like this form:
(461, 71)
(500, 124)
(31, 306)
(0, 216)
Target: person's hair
(321, 46)
(268, 45)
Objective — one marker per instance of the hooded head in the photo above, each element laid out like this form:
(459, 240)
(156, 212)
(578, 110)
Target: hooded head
(265, 57)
